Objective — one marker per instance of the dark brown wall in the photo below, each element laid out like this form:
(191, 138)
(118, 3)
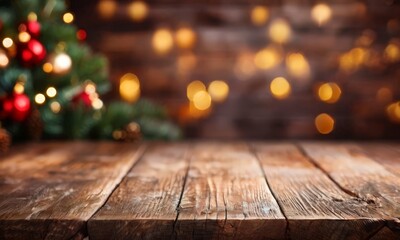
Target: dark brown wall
(224, 30)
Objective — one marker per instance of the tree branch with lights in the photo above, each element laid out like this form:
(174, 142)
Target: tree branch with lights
(51, 83)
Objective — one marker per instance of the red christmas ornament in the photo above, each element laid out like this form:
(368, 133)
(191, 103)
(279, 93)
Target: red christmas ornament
(16, 107)
(32, 27)
(81, 35)
(31, 53)
(82, 97)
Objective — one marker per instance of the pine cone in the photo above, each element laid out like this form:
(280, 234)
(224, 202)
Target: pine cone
(5, 141)
(34, 125)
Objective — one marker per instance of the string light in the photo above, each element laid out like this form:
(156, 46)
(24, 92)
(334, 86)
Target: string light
(62, 63)
(3, 59)
(129, 87)
(324, 123)
(280, 88)
(329, 92)
(97, 103)
(107, 8)
(68, 17)
(218, 90)
(47, 67)
(40, 98)
(51, 92)
(202, 100)
(259, 15)
(162, 41)
(185, 37)
(321, 13)
(280, 31)
(7, 42)
(55, 107)
(267, 58)
(24, 37)
(193, 88)
(32, 16)
(393, 112)
(392, 52)
(298, 66)
(19, 88)
(138, 11)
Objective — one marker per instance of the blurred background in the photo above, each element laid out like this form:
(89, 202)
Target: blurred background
(251, 69)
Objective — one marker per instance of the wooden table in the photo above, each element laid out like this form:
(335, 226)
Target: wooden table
(201, 190)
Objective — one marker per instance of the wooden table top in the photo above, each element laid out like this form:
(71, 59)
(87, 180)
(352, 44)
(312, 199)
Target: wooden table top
(201, 190)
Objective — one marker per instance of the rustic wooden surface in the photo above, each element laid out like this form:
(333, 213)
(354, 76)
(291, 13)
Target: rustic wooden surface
(201, 190)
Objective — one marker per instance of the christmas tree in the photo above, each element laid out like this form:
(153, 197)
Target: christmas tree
(51, 84)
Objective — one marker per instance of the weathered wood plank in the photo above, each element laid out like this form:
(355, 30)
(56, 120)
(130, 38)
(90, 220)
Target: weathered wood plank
(349, 166)
(384, 153)
(49, 191)
(144, 205)
(226, 197)
(315, 207)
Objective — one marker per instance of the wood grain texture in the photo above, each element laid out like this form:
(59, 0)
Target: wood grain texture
(50, 190)
(315, 207)
(226, 197)
(356, 173)
(144, 205)
(384, 153)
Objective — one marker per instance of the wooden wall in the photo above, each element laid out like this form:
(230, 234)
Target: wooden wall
(225, 32)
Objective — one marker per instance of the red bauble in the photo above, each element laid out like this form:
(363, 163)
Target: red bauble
(31, 53)
(82, 97)
(16, 107)
(32, 27)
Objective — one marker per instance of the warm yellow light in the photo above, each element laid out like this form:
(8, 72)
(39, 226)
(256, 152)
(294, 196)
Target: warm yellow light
(62, 63)
(321, 13)
(162, 41)
(245, 67)
(55, 107)
(24, 37)
(185, 37)
(384, 94)
(3, 59)
(353, 60)
(90, 87)
(297, 65)
(40, 98)
(193, 88)
(280, 88)
(329, 92)
(97, 103)
(7, 42)
(280, 31)
(218, 90)
(47, 67)
(32, 16)
(138, 10)
(393, 111)
(19, 88)
(68, 17)
(129, 87)
(51, 92)
(194, 112)
(267, 58)
(259, 15)
(107, 8)
(202, 100)
(392, 52)
(324, 123)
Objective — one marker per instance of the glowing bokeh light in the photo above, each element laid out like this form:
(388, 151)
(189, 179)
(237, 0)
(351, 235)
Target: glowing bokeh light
(162, 41)
(138, 10)
(321, 13)
(7, 42)
(218, 90)
(298, 66)
(280, 31)
(40, 98)
(280, 88)
(68, 17)
(129, 87)
(392, 52)
(393, 112)
(185, 37)
(47, 67)
(3, 59)
(259, 15)
(107, 8)
(19, 88)
(51, 92)
(384, 94)
(329, 92)
(55, 107)
(62, 63)
(24, 37)
(267, 58)
(324, 123)
(193, 88)
(202, 100)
